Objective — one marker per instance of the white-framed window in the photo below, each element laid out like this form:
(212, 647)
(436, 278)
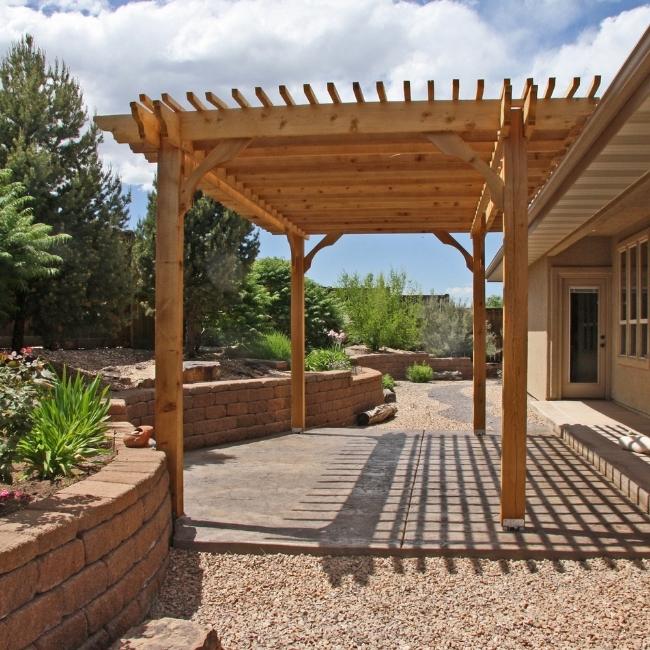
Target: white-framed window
(633, 280)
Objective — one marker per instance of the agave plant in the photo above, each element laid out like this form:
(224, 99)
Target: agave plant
(68, 427)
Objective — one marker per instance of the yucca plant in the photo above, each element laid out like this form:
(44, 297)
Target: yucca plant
(69, 426)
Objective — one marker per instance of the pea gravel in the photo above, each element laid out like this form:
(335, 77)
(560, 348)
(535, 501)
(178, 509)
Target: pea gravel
(302, 601)
(283, 601)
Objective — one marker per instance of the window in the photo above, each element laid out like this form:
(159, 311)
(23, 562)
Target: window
(633, 298)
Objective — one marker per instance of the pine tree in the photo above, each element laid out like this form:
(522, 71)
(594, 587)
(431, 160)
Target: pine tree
(220, 247)
(46, 141)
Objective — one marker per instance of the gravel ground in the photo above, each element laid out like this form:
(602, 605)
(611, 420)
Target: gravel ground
(300, 601)
(281, 601)
(446, 406)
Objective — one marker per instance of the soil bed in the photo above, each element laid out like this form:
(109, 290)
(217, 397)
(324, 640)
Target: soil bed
(35, 490)
(125, 368)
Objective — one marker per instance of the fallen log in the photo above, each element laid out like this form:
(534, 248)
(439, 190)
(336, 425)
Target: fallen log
(376, 415)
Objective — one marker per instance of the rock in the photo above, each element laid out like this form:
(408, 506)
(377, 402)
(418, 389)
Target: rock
(389, 396)
(168, 634)
(448, 375)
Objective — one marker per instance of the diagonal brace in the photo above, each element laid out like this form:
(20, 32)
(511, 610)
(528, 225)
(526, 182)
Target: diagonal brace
(223, 152)
(328, 240)
(446, 238)
(451, 144)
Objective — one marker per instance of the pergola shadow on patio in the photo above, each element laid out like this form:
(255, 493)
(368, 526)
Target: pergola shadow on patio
(337, 491)
(344, 167)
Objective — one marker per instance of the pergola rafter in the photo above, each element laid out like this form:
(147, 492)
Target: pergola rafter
(335, 167)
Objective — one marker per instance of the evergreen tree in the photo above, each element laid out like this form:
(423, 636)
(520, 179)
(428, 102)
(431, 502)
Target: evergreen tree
(46, 141)
(220, 247)
(25, 246)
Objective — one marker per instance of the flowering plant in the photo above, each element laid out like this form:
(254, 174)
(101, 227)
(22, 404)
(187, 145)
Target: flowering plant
(337, 338)
(7, 496)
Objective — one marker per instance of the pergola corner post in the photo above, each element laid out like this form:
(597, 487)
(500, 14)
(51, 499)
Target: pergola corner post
(169, 318)
(297, 245)
(515, 324)
(479, 337)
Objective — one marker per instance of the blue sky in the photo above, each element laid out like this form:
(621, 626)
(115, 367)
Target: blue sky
(118, 49)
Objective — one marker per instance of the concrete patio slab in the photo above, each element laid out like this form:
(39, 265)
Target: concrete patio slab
(402, 492)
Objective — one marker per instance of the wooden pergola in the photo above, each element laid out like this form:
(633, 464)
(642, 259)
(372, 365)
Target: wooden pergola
(367, 166)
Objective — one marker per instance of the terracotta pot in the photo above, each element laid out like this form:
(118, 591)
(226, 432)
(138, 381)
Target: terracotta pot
(139, 438)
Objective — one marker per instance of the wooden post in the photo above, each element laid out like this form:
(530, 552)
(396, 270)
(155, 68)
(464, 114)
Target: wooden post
(479, 351)
(169, 319)
(297, 333)
(515, 325)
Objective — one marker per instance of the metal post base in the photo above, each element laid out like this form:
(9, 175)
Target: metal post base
(513, 524)
(297, 430)
(479, 432)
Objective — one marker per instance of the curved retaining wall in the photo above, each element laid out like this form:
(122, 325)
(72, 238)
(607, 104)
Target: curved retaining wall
(82, 567)
(396, 363)
(227, 411)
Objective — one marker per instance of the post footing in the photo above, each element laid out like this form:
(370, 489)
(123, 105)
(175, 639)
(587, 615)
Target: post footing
(479, 432)
(297, 430)
(513, 524)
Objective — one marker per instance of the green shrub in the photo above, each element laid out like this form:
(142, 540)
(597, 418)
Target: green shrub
(383, 312)
(419, 373)
(447, 330)
(69, 426)
(274, 345)
(23, 380)
(387, 382)
(323, 311)
(327, 359)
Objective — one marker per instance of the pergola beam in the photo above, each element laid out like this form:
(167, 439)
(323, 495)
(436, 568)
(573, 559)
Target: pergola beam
(298, 417)
(515, 326)
(479, 372)
(168, 409)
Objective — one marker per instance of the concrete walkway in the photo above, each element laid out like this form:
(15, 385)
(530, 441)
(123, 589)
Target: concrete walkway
(400, 492)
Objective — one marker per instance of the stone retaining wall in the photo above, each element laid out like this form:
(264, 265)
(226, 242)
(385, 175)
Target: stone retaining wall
(80, 568)
(396, 363)
(227, 411)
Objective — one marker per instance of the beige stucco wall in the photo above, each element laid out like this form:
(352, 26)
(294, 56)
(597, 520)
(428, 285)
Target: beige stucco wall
(538, 329)
(590, 251)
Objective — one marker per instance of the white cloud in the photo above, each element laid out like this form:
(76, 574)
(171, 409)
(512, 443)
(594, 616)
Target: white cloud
(179, 45)
(464, 294)
(596, 51)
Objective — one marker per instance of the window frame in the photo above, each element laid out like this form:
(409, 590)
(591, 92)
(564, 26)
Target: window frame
(634, 278)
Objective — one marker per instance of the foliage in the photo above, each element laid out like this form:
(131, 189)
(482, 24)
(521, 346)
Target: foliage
(447, 330)
(220, 247)
(494, 301)
(24, 245)
(272, 345)
(244, 319)
(48, 144)
(320, 359)
(322, 309)
(69, 426)
(383, 311)
(419, 373)
(22, 382)
(388, 382)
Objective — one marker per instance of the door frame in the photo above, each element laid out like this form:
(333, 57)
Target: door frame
(558, 323)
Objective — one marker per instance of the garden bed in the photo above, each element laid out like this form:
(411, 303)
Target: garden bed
(126, 368)
(30, 490)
